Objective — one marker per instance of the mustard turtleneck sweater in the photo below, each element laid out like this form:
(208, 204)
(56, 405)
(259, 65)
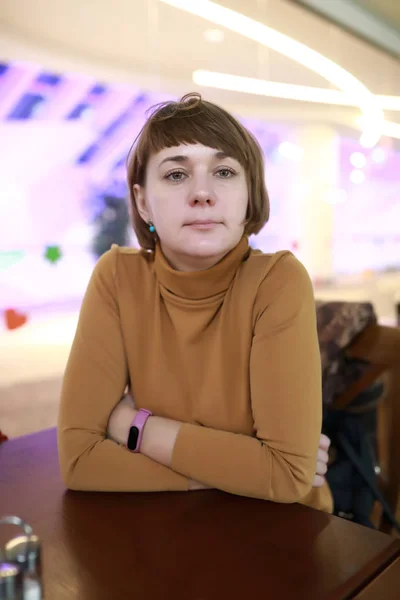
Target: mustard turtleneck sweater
(231, 352)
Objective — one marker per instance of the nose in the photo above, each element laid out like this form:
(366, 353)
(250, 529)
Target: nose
(201, 194)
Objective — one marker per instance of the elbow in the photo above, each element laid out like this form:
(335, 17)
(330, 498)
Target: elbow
(68, 471)
(290, 480)
(70, 457)
(69, 479)
(67, 463)
(294, 491)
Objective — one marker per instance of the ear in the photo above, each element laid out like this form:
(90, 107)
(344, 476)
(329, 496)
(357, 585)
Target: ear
(140, 199)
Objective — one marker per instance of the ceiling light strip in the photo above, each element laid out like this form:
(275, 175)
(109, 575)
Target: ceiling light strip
(287, 91)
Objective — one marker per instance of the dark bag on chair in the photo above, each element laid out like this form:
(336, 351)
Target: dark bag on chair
(352, 476)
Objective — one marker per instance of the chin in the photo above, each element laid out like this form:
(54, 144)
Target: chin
(208, 246)
(196, 252)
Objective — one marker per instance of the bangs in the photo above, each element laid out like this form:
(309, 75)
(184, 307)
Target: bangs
(196, 122)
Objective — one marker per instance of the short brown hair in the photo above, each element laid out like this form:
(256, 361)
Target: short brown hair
(193, 120)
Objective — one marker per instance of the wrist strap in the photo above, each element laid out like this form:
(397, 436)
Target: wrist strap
(136, 430)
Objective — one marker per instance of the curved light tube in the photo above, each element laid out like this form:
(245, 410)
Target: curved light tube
(289, 91)
(300, 53)
(286, 91)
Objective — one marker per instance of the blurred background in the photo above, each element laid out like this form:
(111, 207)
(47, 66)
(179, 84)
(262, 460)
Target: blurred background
(316, 81)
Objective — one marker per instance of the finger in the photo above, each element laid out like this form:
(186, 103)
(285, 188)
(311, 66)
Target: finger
(322, 456)
(322, 468)
(324, 442)
(318, 481)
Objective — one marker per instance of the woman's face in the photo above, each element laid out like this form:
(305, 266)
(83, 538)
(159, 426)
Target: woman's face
(197, 199)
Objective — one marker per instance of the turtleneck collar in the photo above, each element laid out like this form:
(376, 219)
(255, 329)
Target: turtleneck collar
(198, 285)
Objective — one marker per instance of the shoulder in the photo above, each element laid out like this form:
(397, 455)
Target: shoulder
(123, 260)
(278, 269)
(282, 279)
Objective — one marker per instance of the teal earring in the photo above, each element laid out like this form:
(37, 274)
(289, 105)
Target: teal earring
(151, 227)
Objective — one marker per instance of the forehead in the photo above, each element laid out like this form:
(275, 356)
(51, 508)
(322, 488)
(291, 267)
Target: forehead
(190, 152)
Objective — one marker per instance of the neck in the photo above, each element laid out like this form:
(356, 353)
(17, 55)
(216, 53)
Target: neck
(190, 264)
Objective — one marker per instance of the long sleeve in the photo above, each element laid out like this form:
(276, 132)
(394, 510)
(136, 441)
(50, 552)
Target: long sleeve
(94, 382)
(285, 385)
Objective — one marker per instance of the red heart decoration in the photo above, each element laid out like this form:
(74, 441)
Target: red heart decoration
(14, 319)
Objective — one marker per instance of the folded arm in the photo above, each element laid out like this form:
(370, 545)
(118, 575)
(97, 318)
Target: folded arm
(285, 376)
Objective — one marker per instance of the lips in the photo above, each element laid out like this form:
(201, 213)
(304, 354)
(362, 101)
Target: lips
(202, 222)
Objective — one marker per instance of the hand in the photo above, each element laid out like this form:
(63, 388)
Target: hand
(121, 419)
(322, 461)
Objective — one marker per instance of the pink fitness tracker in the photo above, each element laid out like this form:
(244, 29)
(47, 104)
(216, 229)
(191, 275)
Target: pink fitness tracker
(136, 431)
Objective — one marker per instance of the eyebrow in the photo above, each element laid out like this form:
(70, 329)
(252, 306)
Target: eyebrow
(181, 158)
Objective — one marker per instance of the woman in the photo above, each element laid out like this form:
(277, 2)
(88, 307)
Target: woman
(216, 342)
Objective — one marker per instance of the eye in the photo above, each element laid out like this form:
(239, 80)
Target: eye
(175, 176)
(225, 173)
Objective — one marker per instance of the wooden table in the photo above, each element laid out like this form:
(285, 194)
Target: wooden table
(386, 585)
(203, 545)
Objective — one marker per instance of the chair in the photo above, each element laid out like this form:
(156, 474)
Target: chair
(379, 346)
